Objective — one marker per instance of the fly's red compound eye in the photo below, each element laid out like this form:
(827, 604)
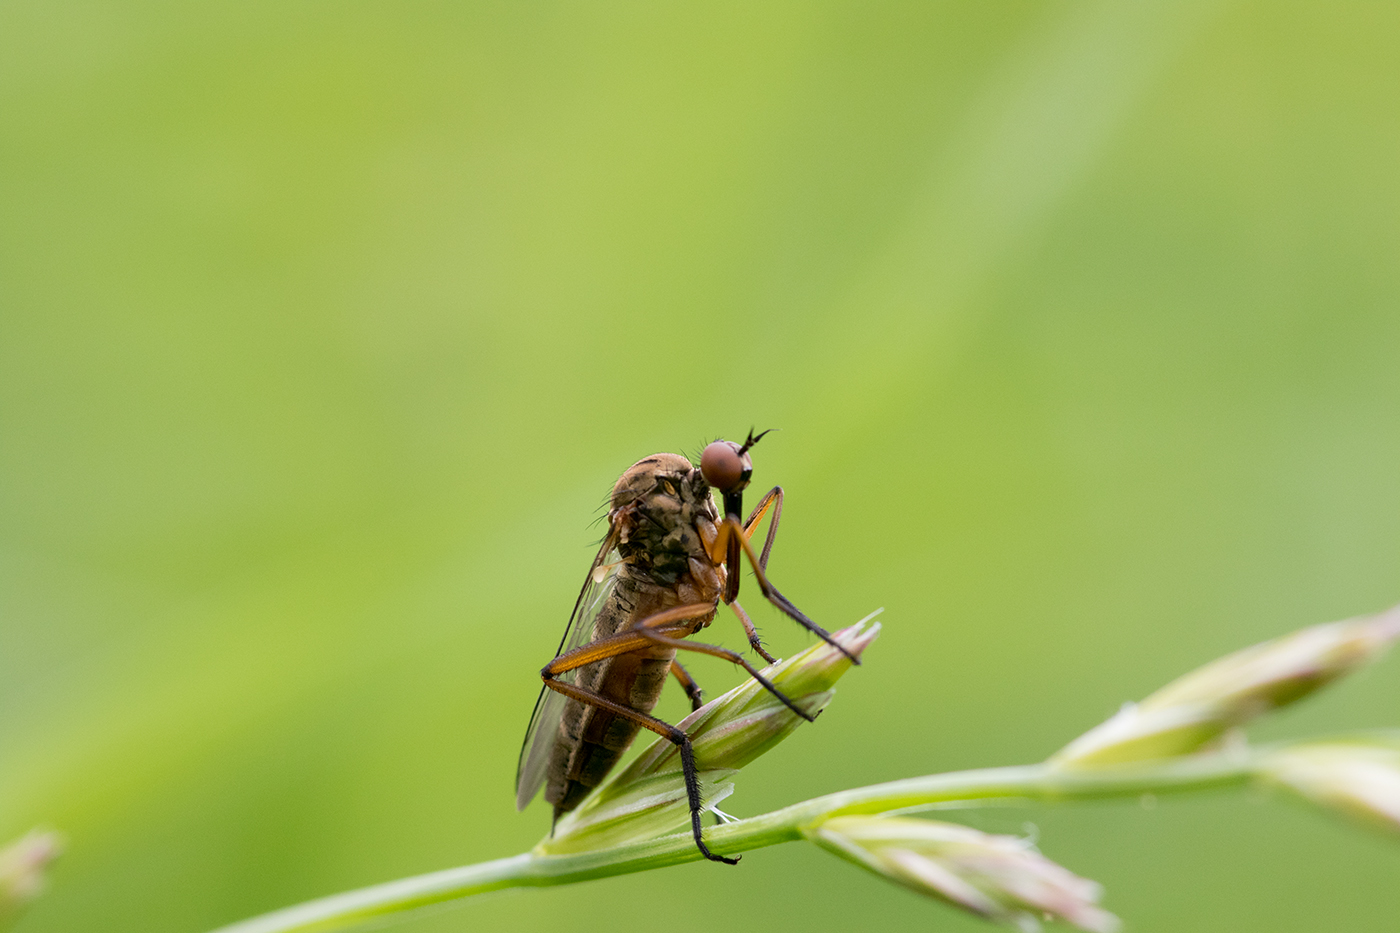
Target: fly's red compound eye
(723, 466)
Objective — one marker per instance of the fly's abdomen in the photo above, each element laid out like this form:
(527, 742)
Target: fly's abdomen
(591, 740)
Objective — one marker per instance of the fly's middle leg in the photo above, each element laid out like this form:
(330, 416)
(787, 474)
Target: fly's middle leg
(667, 637)
(662, 628)
(688, 684)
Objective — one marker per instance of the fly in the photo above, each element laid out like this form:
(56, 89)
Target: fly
(668, 561)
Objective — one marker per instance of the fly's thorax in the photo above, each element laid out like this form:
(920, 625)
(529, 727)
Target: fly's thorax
(659, 508)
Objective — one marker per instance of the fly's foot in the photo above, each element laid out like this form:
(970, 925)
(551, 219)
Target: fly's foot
(716, 858)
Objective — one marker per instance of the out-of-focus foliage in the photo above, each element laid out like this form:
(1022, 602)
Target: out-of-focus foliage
(325, 327)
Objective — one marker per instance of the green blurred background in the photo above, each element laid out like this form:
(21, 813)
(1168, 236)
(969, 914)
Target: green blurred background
(327, 326)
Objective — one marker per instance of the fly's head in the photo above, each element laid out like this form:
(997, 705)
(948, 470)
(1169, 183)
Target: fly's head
(727, 467)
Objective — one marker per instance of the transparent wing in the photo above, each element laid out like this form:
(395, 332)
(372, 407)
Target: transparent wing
(540, 738)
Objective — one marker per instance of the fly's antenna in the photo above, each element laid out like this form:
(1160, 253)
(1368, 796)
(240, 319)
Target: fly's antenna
(752, 439)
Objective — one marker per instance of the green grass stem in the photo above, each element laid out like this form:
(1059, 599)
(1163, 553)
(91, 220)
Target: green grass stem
(1032, 783)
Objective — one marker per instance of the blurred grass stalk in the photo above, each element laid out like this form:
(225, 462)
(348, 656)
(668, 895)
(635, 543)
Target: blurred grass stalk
(1175, 741)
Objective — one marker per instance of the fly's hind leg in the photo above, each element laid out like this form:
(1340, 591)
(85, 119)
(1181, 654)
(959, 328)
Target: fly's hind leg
(663, 729)
(688, 684)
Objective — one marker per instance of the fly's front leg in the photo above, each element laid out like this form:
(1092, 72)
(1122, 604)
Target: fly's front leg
(773, 499)
(731, 533)
(728, 551)
(688, 684)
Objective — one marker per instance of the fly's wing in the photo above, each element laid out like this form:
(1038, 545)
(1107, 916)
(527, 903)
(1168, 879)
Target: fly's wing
(540, 738)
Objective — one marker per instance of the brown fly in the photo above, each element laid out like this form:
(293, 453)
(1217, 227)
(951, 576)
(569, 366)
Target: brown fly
(667, 562)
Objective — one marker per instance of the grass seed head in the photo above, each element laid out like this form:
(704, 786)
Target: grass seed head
(1194, 711)
(22, 869)
(1359, 778)
(1002, 878)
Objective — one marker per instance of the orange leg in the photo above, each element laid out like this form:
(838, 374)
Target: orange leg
(625, 641)
(773, 499)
